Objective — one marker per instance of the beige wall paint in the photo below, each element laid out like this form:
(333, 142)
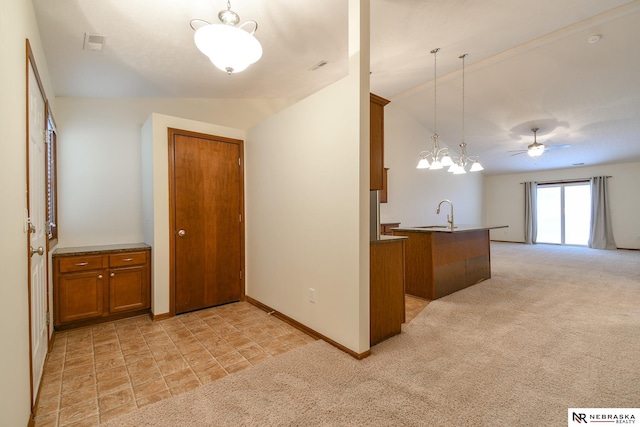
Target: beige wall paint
(504, 200)
(414, 194)
(17, 23)
(307, 204)
(100, 160)
(155, 197)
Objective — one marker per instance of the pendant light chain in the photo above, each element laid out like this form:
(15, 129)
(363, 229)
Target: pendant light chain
(463, 57)
(435, 91)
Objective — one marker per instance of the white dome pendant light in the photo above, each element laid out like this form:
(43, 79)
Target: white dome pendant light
(231, 48)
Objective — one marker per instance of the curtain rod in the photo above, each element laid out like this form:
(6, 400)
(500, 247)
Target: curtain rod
(562, 181)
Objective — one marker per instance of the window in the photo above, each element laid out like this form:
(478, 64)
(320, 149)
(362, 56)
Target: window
(51, 173)
(564, 213)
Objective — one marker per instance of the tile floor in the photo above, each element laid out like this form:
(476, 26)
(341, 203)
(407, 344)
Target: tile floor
(413, 306)
(99, 372)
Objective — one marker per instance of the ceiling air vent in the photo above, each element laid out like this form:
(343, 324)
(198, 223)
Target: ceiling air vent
(94, 42)
(319, 65)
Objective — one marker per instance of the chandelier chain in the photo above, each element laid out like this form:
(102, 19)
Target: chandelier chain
(435, 90)
(463, 57)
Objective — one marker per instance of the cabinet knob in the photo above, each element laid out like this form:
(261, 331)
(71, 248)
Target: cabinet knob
(112, 274)
(99, 276)
(181, 233)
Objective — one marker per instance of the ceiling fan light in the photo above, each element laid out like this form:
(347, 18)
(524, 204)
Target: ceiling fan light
(423, 164)
(535, 150)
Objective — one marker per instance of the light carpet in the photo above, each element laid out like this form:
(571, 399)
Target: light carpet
(554, 328)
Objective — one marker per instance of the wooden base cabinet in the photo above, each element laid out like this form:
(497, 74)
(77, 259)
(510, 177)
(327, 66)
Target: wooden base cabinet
(386, 293)
(79, 296)
(96, 284)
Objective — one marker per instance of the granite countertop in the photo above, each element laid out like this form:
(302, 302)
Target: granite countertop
(86, 250)
(386, 239)
(445, 228)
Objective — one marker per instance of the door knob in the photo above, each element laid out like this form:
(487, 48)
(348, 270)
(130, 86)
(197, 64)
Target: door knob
(39, 251)
(181, 233)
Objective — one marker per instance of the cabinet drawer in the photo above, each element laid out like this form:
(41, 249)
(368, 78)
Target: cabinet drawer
(127, 259)
(80, 263)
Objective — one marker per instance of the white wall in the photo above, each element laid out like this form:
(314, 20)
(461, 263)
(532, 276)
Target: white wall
(17, 22)
(414, 194)
(504, 200)
(307, 180)
(154, 203)
(99, 174)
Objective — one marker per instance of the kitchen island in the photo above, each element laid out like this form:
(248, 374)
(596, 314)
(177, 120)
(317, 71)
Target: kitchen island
(440, 260)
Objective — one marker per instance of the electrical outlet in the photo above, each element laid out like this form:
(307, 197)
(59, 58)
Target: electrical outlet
(312, 295)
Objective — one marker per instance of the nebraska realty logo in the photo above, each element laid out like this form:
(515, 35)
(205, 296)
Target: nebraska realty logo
(581, 416)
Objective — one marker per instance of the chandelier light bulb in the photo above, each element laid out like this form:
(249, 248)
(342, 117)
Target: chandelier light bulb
(476, 167)
(423, 164)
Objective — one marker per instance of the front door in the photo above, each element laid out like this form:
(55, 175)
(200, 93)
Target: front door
(207, 227)
(37, 232)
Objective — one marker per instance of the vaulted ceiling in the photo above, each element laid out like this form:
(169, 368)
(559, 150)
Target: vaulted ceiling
(528, 64)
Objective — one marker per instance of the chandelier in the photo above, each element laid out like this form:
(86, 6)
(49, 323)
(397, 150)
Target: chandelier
(231, 48)
(459, 164)
(438, 157)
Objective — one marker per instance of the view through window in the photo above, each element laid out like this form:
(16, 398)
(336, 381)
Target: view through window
(564, 213)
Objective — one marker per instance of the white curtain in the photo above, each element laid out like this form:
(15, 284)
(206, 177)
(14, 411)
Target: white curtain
(530, 215)
(601, 235)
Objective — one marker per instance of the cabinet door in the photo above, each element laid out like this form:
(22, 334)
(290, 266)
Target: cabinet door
(80, 296)
(376, 140)
(128, 289)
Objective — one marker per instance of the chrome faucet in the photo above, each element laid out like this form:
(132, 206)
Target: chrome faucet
(449, 217)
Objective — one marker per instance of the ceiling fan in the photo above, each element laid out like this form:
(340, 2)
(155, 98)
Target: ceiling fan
(536, 149)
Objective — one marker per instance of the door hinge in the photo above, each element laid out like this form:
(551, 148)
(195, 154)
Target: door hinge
(48, 318)
(240, 218)
(239, 163)
(240, 274)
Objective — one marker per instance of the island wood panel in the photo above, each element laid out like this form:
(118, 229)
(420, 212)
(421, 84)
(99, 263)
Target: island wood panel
(386, 298)
(418, 264)
(440, 263)
(454, 247)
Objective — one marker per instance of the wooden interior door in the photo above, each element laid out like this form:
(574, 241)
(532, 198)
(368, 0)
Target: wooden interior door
(208, 231)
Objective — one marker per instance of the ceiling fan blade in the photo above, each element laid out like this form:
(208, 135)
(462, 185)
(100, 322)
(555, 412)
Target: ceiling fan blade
(553, 147)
